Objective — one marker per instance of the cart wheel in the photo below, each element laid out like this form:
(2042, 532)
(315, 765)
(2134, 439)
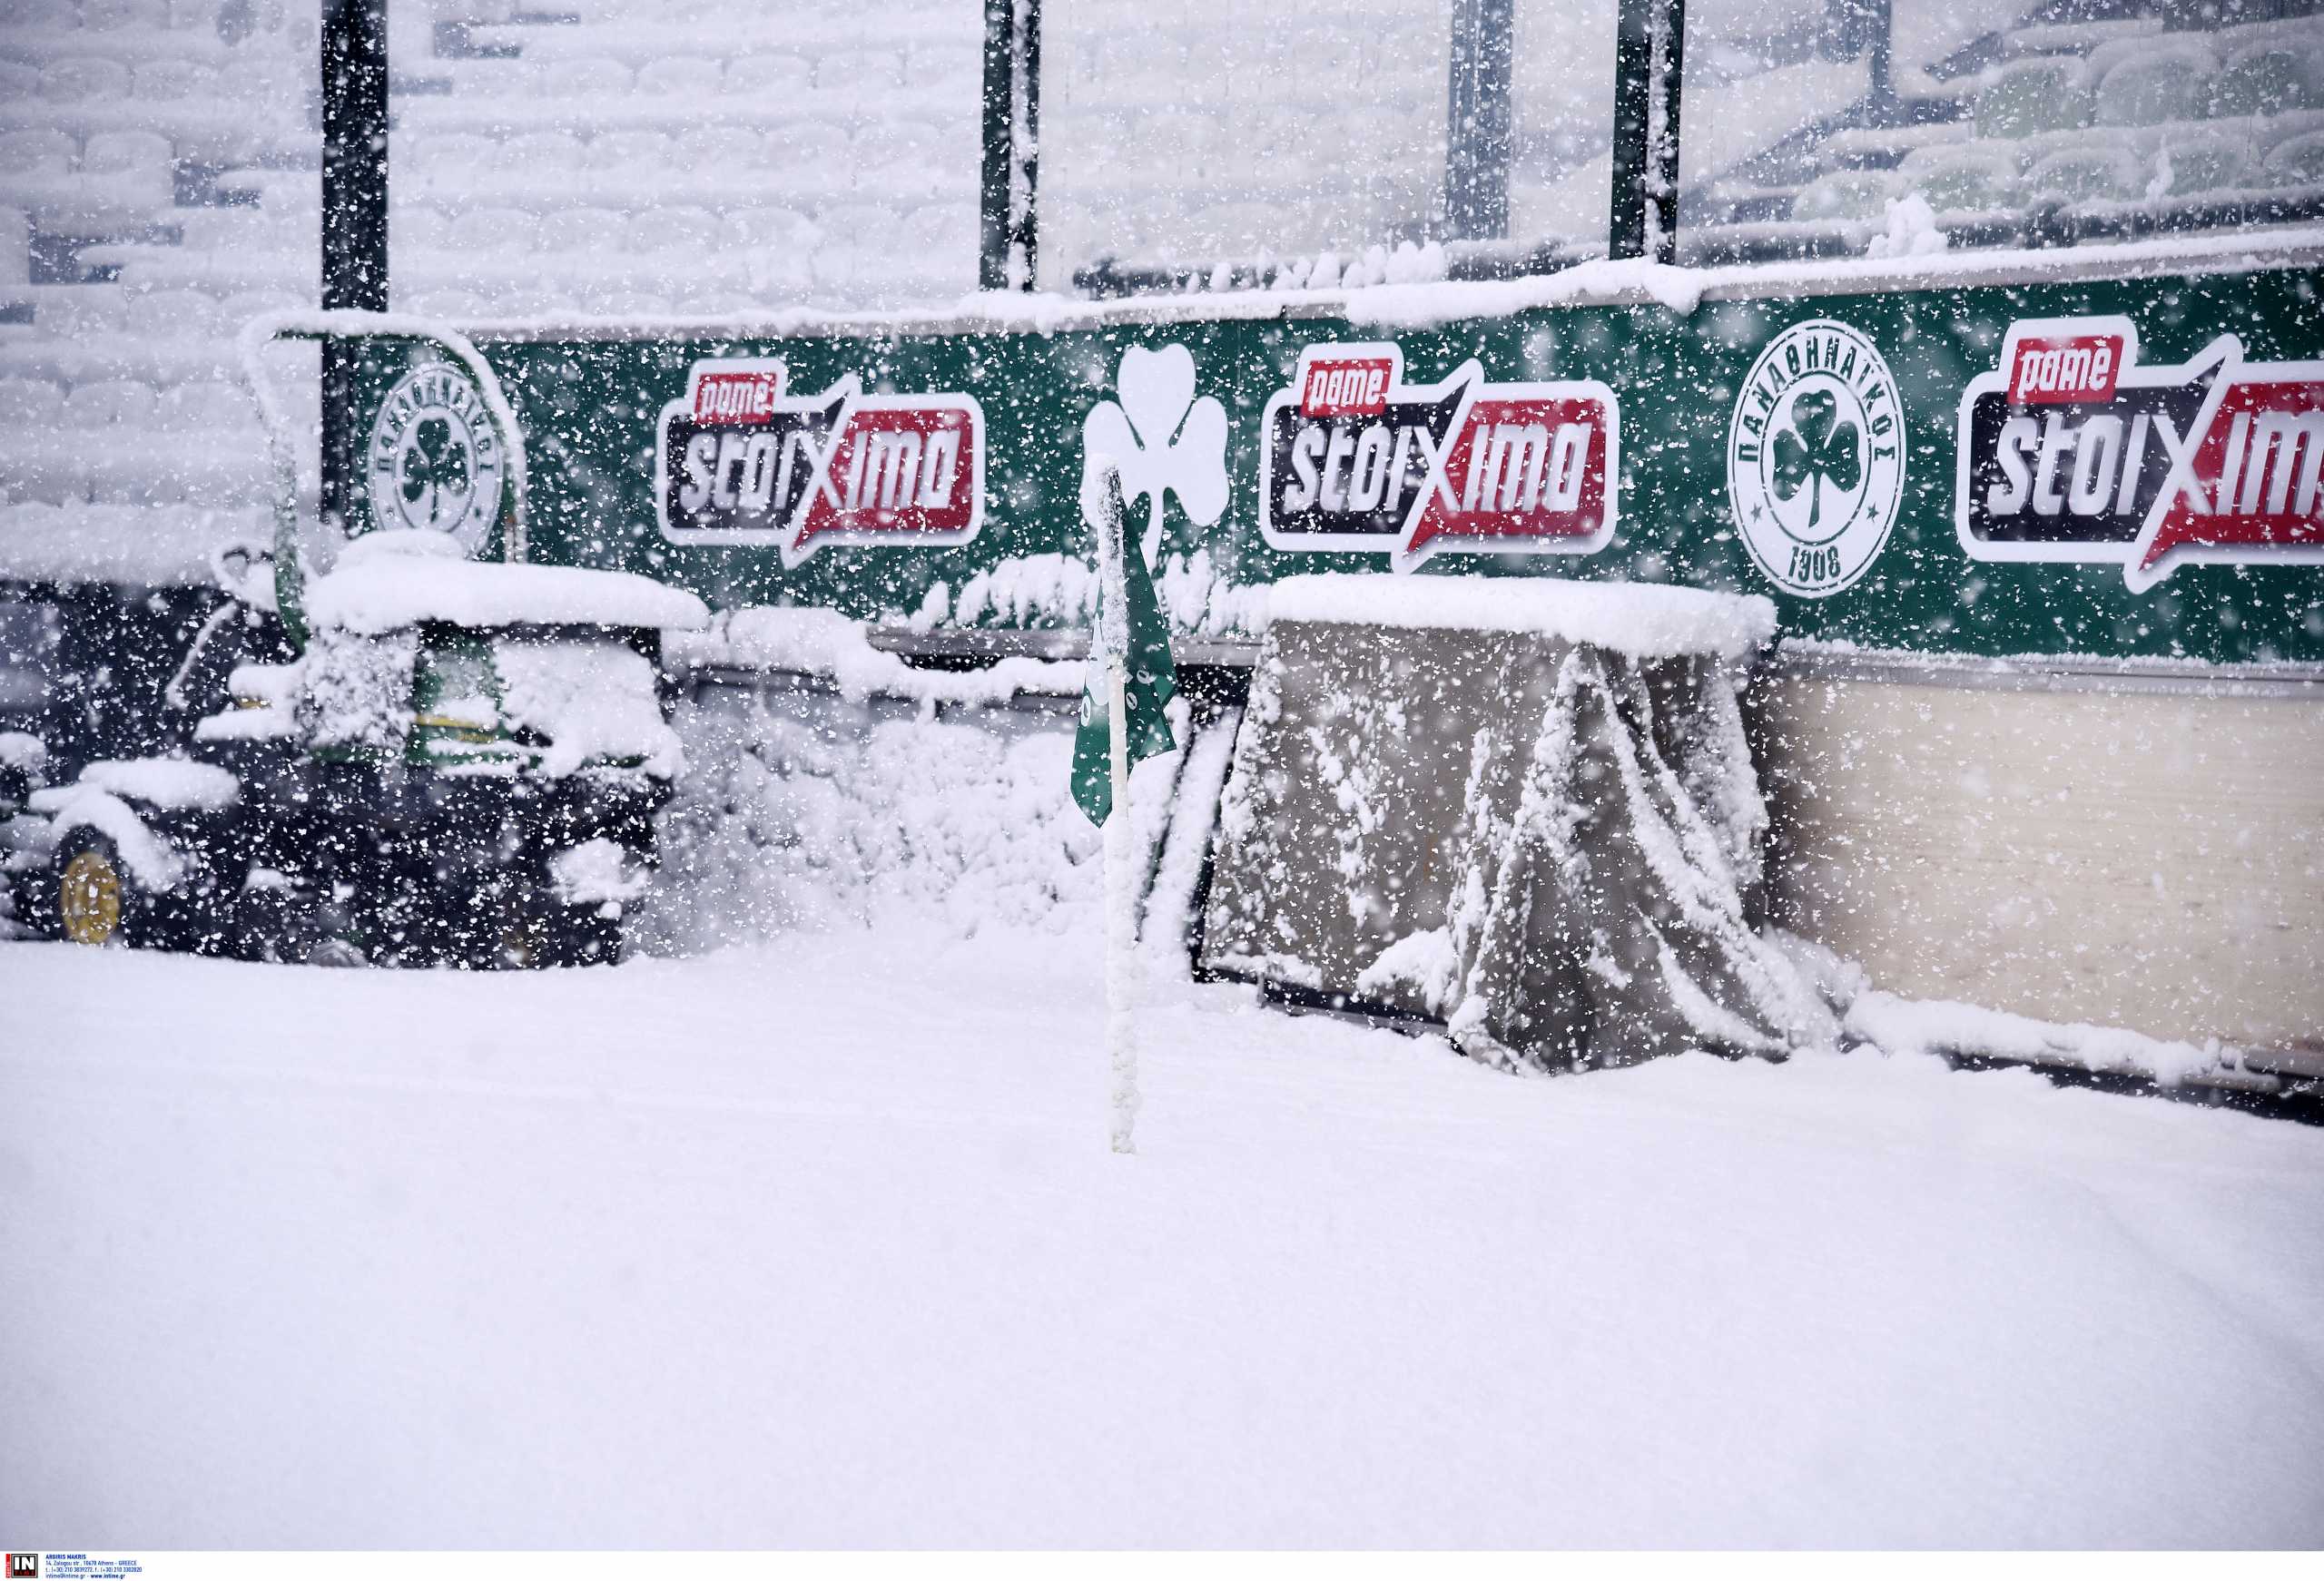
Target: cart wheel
(98, 900)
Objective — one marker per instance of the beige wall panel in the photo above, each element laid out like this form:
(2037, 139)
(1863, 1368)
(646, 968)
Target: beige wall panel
(2147, 860)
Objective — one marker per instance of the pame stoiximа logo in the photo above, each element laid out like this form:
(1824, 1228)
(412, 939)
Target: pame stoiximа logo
(743, 459)
(435, 462)
(23, 1565)
(2074, 447)
(1815, 458)
(1353, 458)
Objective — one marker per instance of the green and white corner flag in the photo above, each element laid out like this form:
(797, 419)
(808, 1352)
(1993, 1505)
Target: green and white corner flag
(1149, 678)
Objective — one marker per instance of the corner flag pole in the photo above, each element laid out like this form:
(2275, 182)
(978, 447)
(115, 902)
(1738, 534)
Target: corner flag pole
(1122, 972)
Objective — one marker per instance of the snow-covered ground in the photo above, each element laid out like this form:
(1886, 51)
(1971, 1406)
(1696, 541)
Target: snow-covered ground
(819, 1243)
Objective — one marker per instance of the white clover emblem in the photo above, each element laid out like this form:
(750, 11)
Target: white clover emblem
(1162, 438)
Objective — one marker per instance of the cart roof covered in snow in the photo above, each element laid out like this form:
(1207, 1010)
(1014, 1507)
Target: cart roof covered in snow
(380, 587)
(1638, 620)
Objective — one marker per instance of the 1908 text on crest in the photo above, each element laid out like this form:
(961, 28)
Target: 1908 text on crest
(1815, 458)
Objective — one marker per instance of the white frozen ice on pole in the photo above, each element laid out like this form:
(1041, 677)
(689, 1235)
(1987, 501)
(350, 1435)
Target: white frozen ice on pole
(1122, 965)
(1101, 506)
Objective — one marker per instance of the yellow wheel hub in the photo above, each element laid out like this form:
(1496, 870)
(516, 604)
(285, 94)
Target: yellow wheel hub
(90, 899)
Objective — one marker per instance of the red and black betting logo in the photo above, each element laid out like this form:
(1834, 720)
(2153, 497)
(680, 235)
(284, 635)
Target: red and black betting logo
(1353, 458)
(742, 460)
(2073, 449)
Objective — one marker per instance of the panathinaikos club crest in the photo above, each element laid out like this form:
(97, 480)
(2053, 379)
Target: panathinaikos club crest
(435, 463)
(1815, 458)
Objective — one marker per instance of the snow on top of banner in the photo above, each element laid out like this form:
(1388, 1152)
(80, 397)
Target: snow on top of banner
(376, 590)
(1639, 620)
(1682, 289)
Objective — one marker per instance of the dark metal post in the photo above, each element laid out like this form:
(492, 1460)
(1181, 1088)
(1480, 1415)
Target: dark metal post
(1650, 69)
(354, 213)
(1858, 30)
(1007, 258)
(1477, 120)
(1880, 66)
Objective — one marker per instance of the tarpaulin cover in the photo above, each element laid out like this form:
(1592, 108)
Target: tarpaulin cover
(1547, 844)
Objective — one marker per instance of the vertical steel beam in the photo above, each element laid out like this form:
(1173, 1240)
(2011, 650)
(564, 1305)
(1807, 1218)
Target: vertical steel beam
(1880, 63)
(1007, 257)
(1859, 30)
(1649, 39)
(1477, 128)
(354, 211)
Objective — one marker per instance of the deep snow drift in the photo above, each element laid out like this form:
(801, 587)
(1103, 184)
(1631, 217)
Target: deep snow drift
(819, 1243)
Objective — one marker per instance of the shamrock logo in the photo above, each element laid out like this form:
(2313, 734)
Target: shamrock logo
(434, 469)
(1816, 449)
(1162, 438)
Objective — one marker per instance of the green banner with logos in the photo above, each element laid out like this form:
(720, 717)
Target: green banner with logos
(2113, 468)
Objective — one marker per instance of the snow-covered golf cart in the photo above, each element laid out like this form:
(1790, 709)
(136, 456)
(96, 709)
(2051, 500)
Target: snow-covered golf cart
(415, 757)
(116, 851)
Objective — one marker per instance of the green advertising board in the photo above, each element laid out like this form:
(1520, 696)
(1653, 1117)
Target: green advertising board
(2118, 460)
